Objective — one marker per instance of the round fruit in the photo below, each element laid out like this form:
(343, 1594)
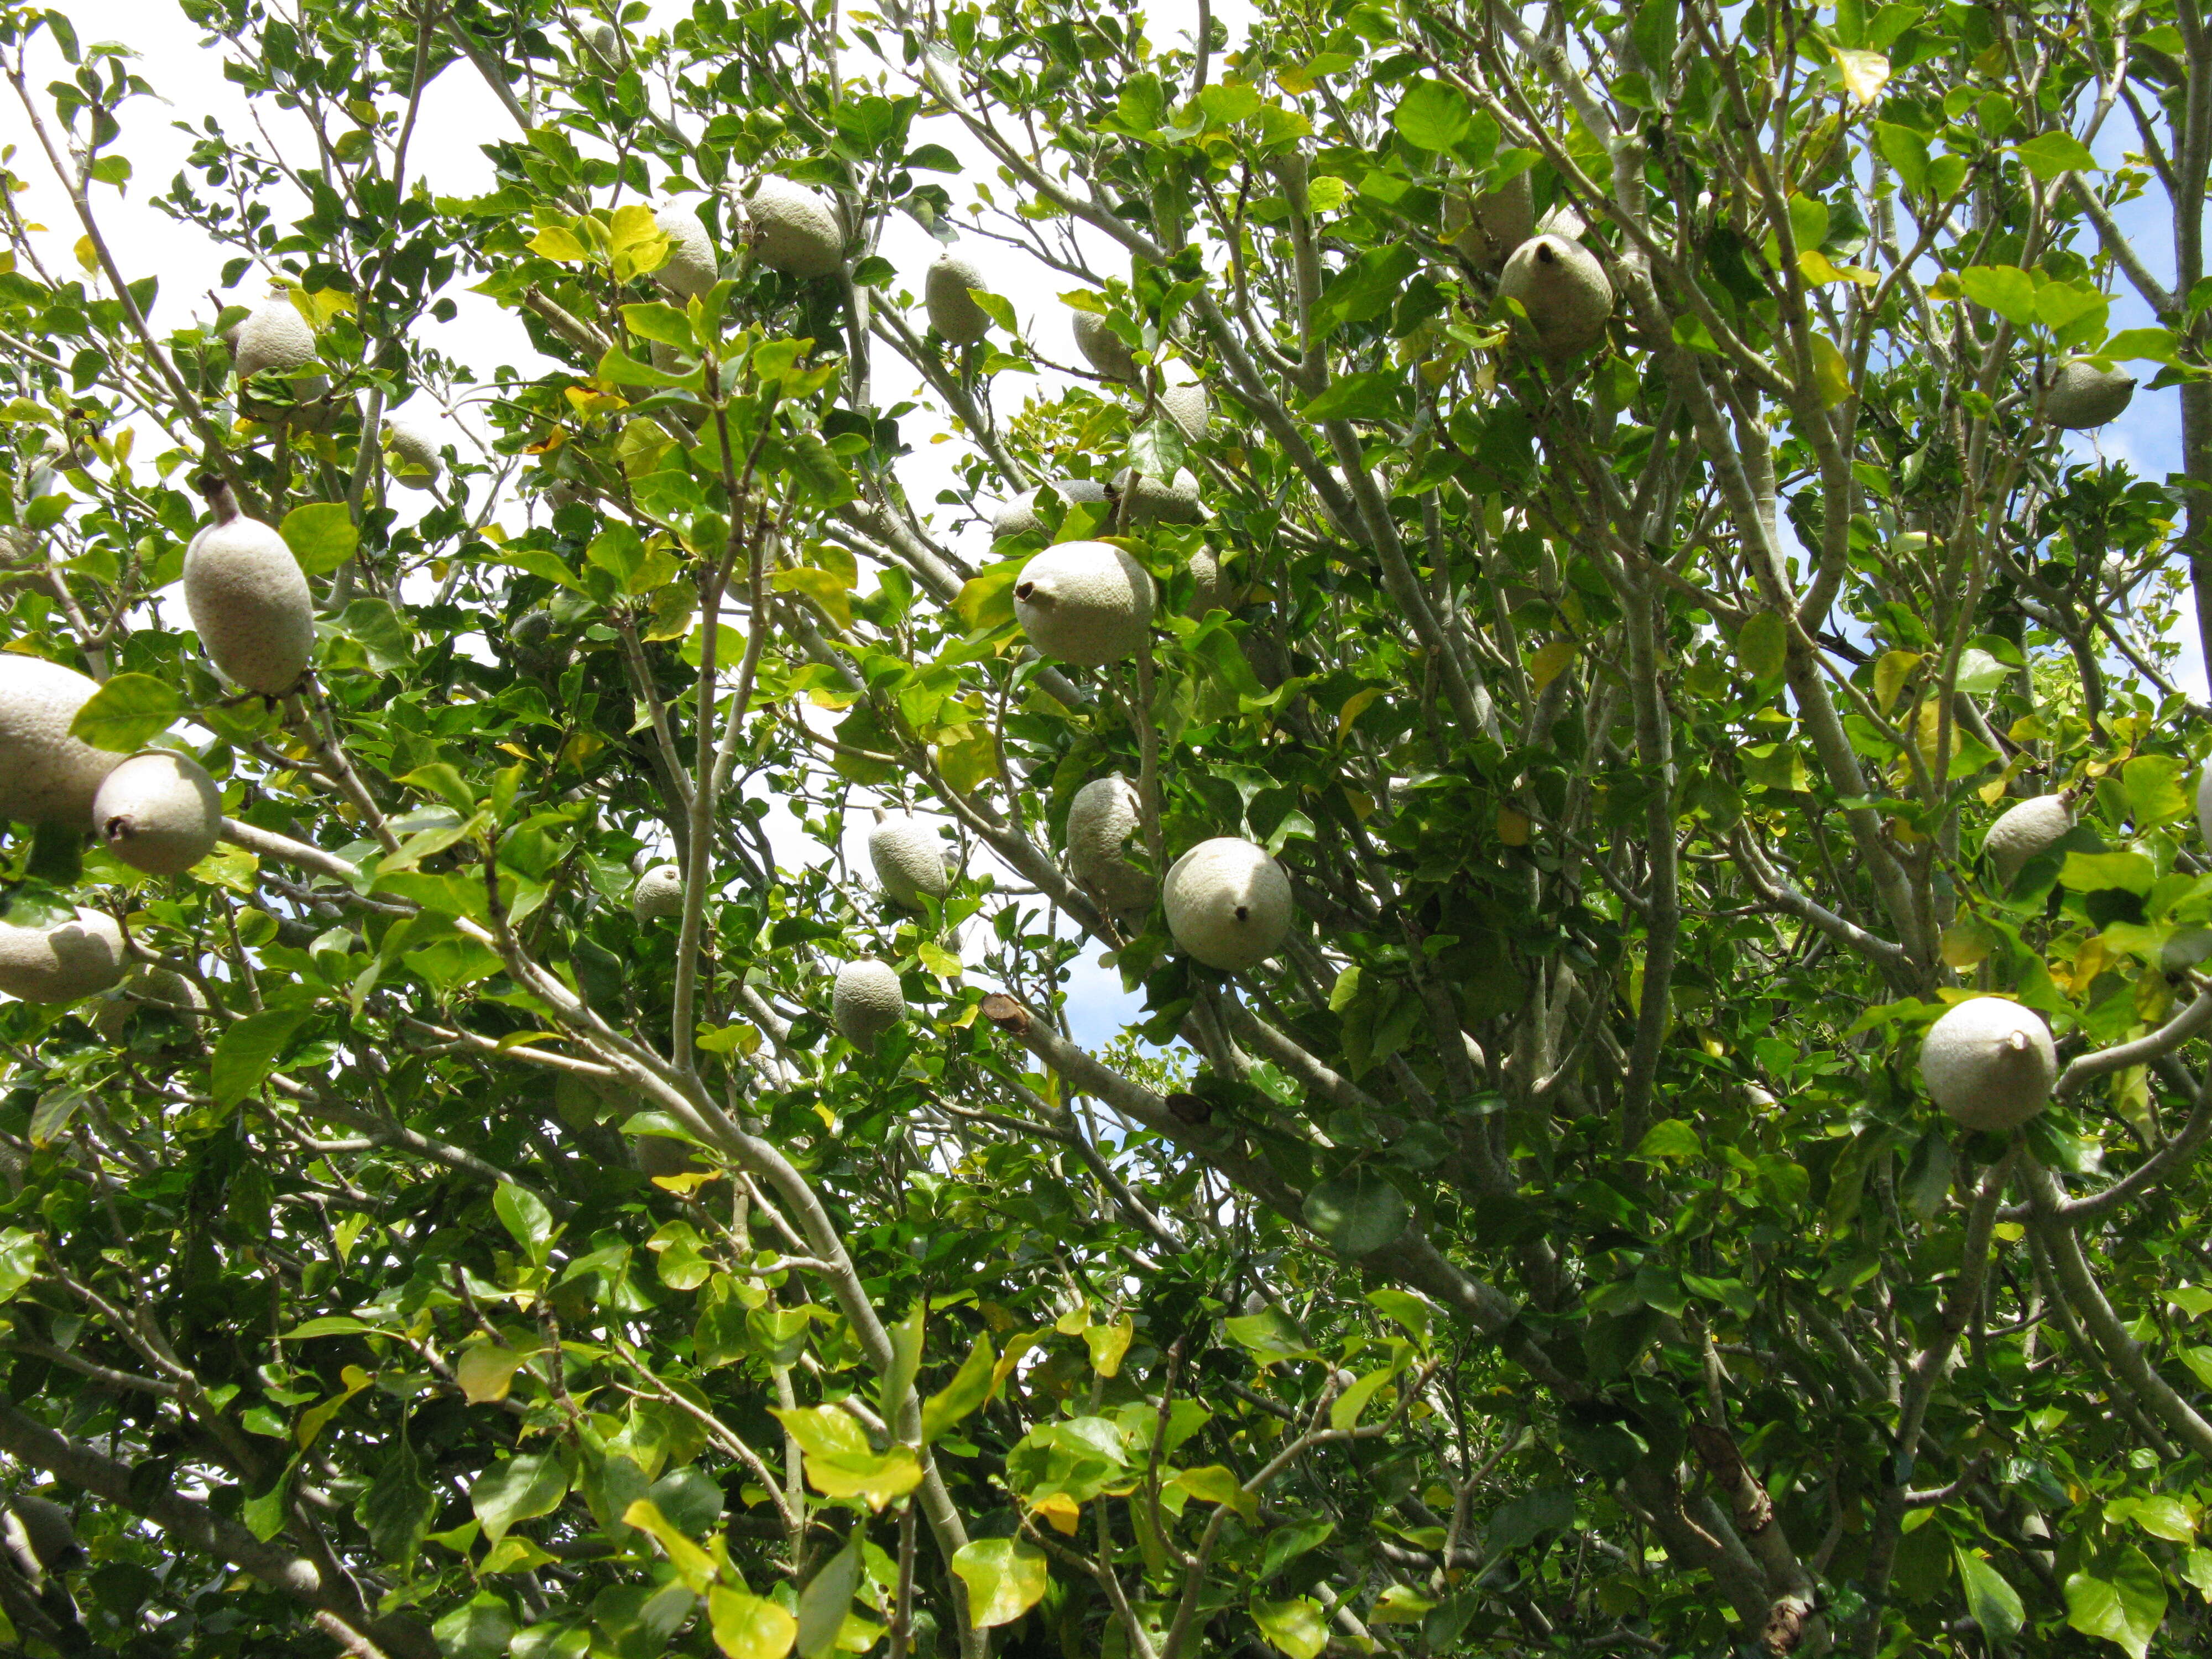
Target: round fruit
(1101, 348)
(1989, 1063)
(1101, 820)
(1485, 228)
(1229, 904)
(606, 42)
(159, 812)
(156, 988)
(658, 894)
(691, 267)
(2023, 831)
(46, 776)
(792, 229)
(952, 312)
(416, 447)
(1085, 603)
(275, 335)
(48, 1530)
(65, 962)
(867, 1003)
(1018, 517)
(1563, 290)
(909, 858)
(1206, 571)
(1187, 407)
(2082, 395)
(537, 647)
(248, 598)
(1146, 500)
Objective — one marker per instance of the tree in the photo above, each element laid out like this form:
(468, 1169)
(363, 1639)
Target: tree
(1622, 647)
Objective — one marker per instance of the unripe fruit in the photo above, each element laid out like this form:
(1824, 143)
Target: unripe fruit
(2023, 831)
(1084, 603)
(248, 598)
(1563, 220)
(1187, 407)
(162, 988)
(865, 1003)
(606, 42)
(47, 1530)
(2082, 395)
(1989, 1063)
(1018, 517)
(417, 445)
(538, 650)
(275, 335)
(658, 894)
(1101, 819)
(46, 776)
(65, 962)
(159, 812)
(1486, 228)
(1101, 348)
(1206, 573)
(1146, 500)
(664, 1155)
(1565, 291)
(691, 267)
(909, 858)
(20, 559)
(792, 229)
(1229, 904)
(952, 312)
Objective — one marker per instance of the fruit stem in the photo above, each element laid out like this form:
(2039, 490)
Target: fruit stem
(222, 500)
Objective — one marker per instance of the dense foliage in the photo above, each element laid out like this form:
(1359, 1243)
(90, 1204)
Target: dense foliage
(1551, 1250)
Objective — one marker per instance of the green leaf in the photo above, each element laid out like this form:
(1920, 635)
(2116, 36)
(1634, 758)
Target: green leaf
(2160, 1516)
(525, 1216)
(1374, 395)
(1358, 1212)
(654, 321)
(519, 1489)
(749, 1626)
(126, 712)
(480, 1628)
(828, 1597)
(322, 536)
(1991, 1602)
(1268, 1335)
(247, 1053)
(1521, 1520)
(969, 1387)
(1156, 449)
(1295, 1627)
(2055, 153)
(2124, 1601)
(1762, 646)
(1005, 1578)
(2096, 872)
(2156, 790)
(1669, 1138)
(986, 602)
(19, 1260)
(1434, 116)
(382, 631)
(2006, 290)
(1344, 1411)
(399, 1507)
(1907, 152)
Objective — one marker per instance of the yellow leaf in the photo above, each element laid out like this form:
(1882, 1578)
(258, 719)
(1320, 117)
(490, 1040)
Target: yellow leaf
(827, 589)
(1965, 944)
(684, 1185)
(486, 1372)
(1889, 676)
(1548, 664)
(1063, 1511)
(1512, 827)
(1864, 73)
(556, 242)
(1832, 375)
(1817, 269)
(1354, 706)
(1107, 1343)
(86, 254)
(749, 1626)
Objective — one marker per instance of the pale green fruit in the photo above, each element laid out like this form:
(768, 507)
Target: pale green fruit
(1085, 603)
(537, 648)
(248, 598)
(2023, 831)
(161, 988)
(909, 858)
(606, 44)
(1101, 348)
(1103, 819)
(65, 962)
(1486, 228)
(1206, 572)
(1228, 903)
(1146, 500)
(1018, 517)
(159, 812)
(1565, 220)
(1564, 289)
(691, 267)
(417, 445)
(20, 559)
(48, 1530)
(1189, 409)
(658, 894)
(867, 1002)
(952, 312)
(275, 335)
(1989, 1063)
(2082, 395)
(46, 776)
(792, 229)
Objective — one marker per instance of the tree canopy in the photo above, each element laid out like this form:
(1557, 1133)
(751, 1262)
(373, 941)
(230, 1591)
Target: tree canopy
(1584, 513)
